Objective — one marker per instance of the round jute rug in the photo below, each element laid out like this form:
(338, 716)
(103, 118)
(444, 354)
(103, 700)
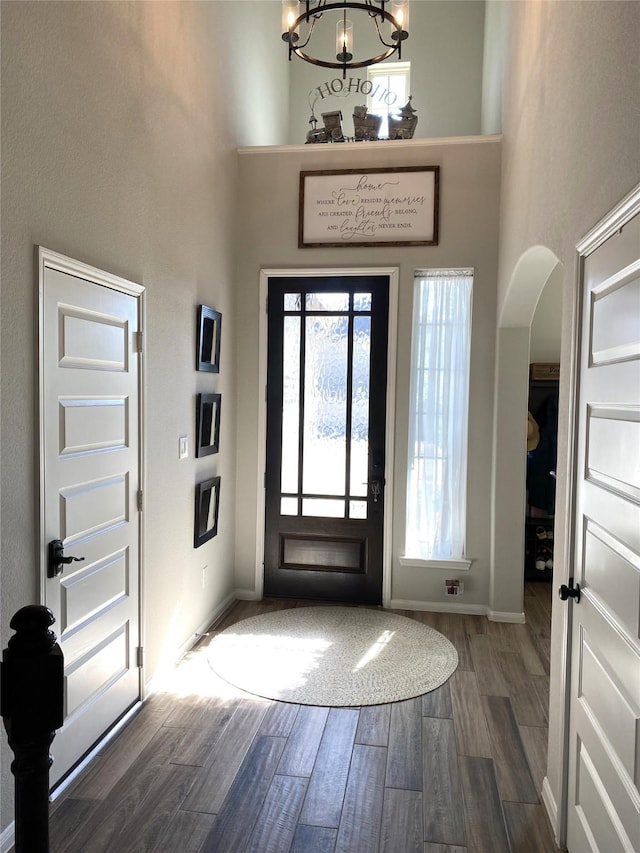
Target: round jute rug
(338, 656)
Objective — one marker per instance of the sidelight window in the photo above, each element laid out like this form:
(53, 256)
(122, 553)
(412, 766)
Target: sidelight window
(438, 416)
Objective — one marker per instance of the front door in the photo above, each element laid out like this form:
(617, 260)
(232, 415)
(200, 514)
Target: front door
(604, 724)
(90, 477)
(325, 470)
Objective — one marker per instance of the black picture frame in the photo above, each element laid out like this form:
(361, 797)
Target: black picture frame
(209, 335)
(208, 408)
(207, 506)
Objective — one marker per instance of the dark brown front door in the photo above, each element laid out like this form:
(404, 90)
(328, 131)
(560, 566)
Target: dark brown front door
(326, 403)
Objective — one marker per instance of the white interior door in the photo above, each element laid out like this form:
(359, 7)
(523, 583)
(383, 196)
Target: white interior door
(90, 479)
(604, 728)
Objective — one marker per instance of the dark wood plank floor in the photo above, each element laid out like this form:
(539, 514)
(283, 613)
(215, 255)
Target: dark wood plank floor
(204, 767)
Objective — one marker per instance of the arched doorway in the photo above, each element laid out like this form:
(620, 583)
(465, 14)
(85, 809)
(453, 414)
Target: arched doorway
(537, 266)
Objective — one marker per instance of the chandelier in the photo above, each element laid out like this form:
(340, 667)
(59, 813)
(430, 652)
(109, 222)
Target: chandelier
(390, 18)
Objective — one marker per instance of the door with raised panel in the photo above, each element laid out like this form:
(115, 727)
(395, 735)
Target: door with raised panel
(326, 409)
(90, 479)
(604, 727)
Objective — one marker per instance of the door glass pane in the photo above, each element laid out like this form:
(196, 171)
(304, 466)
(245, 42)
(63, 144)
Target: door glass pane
(360, 406)
(357, 509)
(325, 405)
(292, 301)
(324, 507)
(288, 506)
(327, 302)
(362, 302)
(290, 403)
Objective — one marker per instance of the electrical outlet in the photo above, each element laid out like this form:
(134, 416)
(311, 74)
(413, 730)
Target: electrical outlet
(454, 587)
(183, 447)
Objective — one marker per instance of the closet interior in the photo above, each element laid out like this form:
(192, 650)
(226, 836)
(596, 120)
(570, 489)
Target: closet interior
(542, 433)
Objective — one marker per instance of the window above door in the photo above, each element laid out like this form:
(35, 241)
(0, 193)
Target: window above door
(390, 90)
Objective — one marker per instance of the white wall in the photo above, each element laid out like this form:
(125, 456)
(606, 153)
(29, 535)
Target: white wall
(493, 61)
(570, 153)
(445, 48)
(119, 127)
(268, 211)
(119, 132)
(546, 326)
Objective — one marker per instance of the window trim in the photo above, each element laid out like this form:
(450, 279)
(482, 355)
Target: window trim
(460, 565)
(462, 562)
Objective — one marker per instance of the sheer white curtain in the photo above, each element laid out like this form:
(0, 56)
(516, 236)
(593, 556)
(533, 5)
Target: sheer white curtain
(438, 416)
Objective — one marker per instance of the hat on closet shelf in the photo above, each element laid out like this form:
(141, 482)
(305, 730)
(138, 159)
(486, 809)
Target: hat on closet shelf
(533, 433)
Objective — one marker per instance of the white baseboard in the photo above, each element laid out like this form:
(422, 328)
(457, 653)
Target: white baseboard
(247, 595)
(218, 613)
(458, 607)
(437, 606)
(62, 786)
(505, 616)
(551, 807)
(155, 684)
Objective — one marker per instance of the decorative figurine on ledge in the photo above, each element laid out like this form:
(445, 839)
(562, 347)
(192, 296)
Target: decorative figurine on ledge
(366, 126)
(404, 126)
(332, 131)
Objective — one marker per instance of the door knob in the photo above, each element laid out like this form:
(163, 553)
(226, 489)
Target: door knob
(570, 591)
(57, 559)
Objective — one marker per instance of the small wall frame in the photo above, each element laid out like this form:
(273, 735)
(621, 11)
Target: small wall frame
(209, 334)
(208, 424)
(206, 511)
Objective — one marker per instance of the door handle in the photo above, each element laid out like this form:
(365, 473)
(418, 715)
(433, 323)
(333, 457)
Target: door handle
(57, 559)
(570, 591)
(376, 488)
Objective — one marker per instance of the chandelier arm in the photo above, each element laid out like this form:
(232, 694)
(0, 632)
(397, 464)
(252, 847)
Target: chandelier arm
(297, 47)
(377, 25)
(326, 64)
(372, 11)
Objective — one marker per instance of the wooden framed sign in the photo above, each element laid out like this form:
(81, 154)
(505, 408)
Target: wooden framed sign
(373, 207)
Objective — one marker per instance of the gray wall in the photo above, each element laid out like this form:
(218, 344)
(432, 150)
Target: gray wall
(493, 61)
(570, 153)
(445, 48)
(546, 326)
(120, 124)
(268, 193)
(119, 128)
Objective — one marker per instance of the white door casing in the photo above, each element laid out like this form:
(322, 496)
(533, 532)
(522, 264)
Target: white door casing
(90, 481)
(603, 799)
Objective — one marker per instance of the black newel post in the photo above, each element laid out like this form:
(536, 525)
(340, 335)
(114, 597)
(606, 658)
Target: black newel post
(32, 710)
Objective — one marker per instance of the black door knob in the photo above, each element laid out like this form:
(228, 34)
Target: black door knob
(570, 591)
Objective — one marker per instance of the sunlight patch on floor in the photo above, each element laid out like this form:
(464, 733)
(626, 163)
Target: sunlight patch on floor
(194, 677)
(277, 662)
(373, 652)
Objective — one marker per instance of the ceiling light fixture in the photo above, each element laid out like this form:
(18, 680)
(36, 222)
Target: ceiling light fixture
(300, 18)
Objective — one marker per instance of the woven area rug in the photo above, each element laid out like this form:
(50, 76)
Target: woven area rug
(338, 656)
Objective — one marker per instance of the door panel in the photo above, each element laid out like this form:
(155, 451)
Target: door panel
(326, 402)
(90, 479)
(604, 727)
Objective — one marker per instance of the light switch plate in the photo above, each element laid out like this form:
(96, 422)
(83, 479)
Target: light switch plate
(183, 447)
